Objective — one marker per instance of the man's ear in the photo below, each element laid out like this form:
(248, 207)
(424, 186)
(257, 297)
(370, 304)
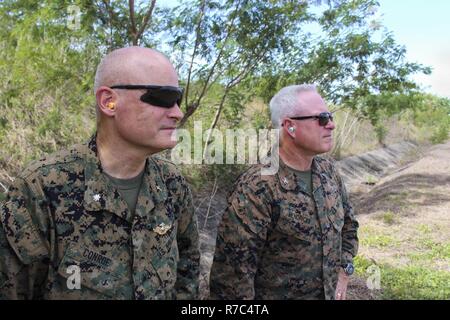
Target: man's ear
(106, 101)
(289, 126)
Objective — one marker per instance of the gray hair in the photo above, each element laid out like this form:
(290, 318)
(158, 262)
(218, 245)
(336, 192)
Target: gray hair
(284, 103)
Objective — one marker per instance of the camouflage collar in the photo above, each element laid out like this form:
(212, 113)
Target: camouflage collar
(100, 194)
(153, 189)
(290, 181)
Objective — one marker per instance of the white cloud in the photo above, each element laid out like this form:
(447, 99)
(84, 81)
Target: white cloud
(439, 59)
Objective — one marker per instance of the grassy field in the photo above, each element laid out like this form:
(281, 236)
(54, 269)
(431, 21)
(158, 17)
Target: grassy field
(405, 230)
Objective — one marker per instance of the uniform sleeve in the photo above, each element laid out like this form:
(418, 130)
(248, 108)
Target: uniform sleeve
(350, 229)
(240, 241)
(188, 268)
(23, 250)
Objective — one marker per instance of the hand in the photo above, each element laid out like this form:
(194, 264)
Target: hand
(341, 287)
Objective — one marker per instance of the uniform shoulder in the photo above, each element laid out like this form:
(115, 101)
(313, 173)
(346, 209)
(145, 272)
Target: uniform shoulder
(168, 171)
(253, 177)
(165, 165)
(325, 162)
(329, 166)
(169, 175)
(58, 158)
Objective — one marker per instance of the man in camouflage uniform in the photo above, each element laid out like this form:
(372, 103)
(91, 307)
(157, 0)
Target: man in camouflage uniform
(291, 235)
(105, 220)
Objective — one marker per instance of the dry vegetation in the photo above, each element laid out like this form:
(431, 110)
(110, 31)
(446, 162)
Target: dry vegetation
(405, 230)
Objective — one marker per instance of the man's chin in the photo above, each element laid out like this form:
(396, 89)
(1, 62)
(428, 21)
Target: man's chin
(160, 147)
(327, 148)
(167, 145)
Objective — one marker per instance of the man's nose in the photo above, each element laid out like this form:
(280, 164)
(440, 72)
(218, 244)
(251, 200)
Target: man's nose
(330, 125)
(176, 113)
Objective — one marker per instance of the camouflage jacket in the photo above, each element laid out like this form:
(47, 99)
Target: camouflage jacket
(277, 242)
(63, 220)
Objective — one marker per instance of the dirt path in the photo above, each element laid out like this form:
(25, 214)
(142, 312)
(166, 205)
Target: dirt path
(405, 219)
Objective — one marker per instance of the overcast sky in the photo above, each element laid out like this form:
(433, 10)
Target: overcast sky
(423, 26)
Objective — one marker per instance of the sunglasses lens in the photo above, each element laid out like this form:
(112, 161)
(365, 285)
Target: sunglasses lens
(165, 98)
(324, 118)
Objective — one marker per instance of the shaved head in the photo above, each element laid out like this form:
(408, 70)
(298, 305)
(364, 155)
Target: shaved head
(122, 115)
(131, 65)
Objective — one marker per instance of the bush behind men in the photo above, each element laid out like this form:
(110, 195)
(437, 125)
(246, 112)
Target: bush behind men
(105, 210)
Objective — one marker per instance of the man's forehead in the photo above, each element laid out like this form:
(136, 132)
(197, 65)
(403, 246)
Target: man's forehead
(148, 74)
(137, 66)
(310, 101)
(310, 96)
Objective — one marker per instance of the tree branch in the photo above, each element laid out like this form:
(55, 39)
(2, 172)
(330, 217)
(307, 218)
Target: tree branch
(137, 34)
(219, 56)
(111, 18)
(197, 42)
(133, 30)
(191, 109)
(251, 65)
(215, 121)
(146, 20)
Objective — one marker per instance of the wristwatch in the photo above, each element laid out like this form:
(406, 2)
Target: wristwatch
(348, 268)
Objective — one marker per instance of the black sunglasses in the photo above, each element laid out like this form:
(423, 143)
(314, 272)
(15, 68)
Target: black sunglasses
(160, 96)
(323, 118)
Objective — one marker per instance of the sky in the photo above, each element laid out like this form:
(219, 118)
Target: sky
(423, 27)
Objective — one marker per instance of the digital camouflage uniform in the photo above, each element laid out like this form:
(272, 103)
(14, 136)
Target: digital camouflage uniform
(276, 242)
(63, 212)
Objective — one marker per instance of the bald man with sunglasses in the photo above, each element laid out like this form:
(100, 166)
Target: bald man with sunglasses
(107, 219)
(291, 235)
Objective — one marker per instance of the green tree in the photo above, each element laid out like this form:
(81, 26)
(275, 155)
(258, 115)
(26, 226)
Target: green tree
(225, 42)
(354, 61)
(46, 68)
(228, 53)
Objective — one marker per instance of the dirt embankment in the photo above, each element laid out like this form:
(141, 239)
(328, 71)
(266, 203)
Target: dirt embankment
(405, 219)
(390, 179)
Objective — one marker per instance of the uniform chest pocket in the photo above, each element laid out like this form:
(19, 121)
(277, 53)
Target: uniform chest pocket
(334, 209)
(336, 216)
(297, 221)
(162, 245)
(333, 205)
(161, 235)
(92, 275)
